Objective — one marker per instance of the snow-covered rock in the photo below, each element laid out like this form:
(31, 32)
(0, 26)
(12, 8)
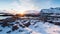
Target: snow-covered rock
(38, 28)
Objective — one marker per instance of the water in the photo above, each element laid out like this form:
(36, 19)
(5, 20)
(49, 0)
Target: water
(4, 17)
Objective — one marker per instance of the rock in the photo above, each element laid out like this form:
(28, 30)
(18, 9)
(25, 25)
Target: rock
(22, 26)
(8, 32)
(0, 30)
(20, 30)
(15, 27)
(5, 24)
(17, 23)
(27, 24)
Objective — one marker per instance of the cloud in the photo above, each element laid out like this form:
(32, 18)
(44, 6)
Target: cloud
(35, 4)
(42, 3)
(23, 5)
(27, 4)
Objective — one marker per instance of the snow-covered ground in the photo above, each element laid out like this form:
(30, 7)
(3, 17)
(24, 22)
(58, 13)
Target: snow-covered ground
(36, 27)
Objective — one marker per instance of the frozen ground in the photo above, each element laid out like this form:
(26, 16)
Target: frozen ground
(36, 27)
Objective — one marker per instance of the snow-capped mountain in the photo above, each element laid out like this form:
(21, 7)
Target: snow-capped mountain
(8, 11)
(51, 10)
(31, 12)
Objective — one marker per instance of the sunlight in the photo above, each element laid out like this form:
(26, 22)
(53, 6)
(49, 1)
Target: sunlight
(21, 13)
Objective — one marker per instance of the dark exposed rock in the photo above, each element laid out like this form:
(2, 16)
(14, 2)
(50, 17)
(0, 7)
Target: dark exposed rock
(27, 24)
(57, 23)
(34, 23)
(50, 22)
(0, 23)
(10, 19)
(11, 24)
(22, 26)
(24, 20)
(36, 26)
(20, 30)
(8, 32)
(0, 30)
(17, 23)
(15, 27)
(5, 24)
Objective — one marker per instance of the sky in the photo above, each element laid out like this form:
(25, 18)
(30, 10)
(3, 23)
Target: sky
(22, 5)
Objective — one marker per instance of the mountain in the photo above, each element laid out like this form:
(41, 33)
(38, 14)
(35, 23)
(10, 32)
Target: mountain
(8, 11)
(51, 10)
(31, 12)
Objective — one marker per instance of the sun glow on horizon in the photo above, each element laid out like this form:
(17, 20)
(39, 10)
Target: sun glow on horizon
(21, 13)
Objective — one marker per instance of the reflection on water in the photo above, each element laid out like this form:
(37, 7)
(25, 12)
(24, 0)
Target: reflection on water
(4, 17)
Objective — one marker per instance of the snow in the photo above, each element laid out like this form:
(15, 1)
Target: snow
(54, 10)
(31, 12)
(46, 11)
(39, 28)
